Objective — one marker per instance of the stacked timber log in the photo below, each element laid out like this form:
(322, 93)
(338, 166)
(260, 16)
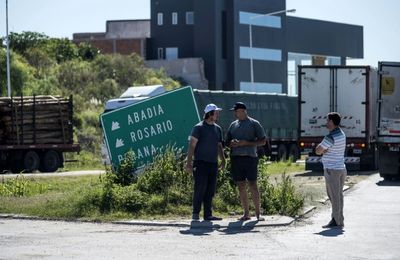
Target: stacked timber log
(35, 120)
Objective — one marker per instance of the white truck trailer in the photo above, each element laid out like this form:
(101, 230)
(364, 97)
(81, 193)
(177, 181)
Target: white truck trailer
(349, 90)
(388, 140)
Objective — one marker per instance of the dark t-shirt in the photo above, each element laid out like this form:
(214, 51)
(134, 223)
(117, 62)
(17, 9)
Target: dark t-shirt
(208, 137)
(249, 130)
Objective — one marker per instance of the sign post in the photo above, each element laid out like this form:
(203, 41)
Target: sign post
(149, 126)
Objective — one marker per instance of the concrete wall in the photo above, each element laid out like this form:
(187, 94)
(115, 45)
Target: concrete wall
(121, 36)
(121, 46)
(190, 69)
(85, 36)
(128, 29)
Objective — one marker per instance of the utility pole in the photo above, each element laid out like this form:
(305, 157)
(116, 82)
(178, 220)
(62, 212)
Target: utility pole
(8, 54)
(251, 36)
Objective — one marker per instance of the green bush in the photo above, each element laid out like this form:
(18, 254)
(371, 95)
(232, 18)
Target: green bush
(130, 199)
(280, 198)
(20, 186)
(21, 73)
(164, 186)
(125, 174)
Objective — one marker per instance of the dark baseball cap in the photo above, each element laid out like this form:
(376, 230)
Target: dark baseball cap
(238, 105)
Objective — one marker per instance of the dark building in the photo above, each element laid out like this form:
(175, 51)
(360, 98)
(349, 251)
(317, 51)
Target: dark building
(242, 48)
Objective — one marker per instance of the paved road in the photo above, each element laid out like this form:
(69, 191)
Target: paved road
(372, 219)
(48, 174)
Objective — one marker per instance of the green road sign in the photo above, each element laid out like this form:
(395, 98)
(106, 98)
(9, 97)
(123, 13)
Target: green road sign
(147, 127)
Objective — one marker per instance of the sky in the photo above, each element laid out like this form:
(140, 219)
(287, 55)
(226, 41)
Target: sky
(58, 18)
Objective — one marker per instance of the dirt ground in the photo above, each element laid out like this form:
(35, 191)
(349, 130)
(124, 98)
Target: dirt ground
(312, 184)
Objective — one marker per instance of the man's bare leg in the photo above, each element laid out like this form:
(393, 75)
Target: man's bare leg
(244, 200)
(255, 194)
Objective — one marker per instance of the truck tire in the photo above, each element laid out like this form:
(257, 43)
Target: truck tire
(50, 161)
(282, 152)
(294, 152)
(387, 177)
(31, 161)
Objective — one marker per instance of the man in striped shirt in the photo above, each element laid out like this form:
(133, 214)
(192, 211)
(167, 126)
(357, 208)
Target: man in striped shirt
(332, 149)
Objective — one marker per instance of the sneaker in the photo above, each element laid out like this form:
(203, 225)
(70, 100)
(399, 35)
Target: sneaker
(260, 218)
(331, 224)
(244, 218)
(195, 217)
(210, 218)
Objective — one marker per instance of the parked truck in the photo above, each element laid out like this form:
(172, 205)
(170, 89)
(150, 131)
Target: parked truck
(276, 112)
(388, 140)
(35, 131)
(349, 90)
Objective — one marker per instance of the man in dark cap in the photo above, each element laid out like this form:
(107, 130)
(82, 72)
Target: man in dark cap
(243, 137)
(206, 145)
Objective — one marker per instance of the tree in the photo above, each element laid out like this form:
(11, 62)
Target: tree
(87, 52)
(62, 49)
(20, 42)
(20, 71)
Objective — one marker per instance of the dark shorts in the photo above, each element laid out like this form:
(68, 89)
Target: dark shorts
(244, 168)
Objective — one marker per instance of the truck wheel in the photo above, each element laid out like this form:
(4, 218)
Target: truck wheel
(282, 152)
(50, 161)
(387, 177)
(294, 152)
(31, 161)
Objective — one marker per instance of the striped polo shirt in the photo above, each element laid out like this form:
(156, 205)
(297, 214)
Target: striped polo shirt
(335, 143)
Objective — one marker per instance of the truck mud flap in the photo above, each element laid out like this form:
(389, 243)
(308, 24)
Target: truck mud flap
(389, 162)
(314, 163)
(352, 163)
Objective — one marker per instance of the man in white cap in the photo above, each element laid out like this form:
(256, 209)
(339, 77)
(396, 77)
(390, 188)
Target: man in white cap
(205, 145)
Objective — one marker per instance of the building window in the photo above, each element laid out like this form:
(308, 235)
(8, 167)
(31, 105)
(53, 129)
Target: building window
(171, 53)
(160, 53)
(189, 18)
(159, 19)
(174, 18)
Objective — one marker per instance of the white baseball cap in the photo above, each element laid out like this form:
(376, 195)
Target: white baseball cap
(211, 107)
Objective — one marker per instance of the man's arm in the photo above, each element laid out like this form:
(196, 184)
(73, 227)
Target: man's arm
(320, 150)
(221, 156)
(189, 159)
(260, 135)
(326, 143)
(259, 142)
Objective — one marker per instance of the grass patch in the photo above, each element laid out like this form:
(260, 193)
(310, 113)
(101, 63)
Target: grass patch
(82, 161)
(163, 190)
(283, 166)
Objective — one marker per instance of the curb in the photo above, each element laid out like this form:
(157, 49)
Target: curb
(25, 217)
(270, 221)
(325, 199)
(230, 223)
(306, 211)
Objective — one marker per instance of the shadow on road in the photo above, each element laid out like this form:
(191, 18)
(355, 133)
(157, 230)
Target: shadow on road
(334, 232)
(205, 227)
(199, 228)
(239, 227)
